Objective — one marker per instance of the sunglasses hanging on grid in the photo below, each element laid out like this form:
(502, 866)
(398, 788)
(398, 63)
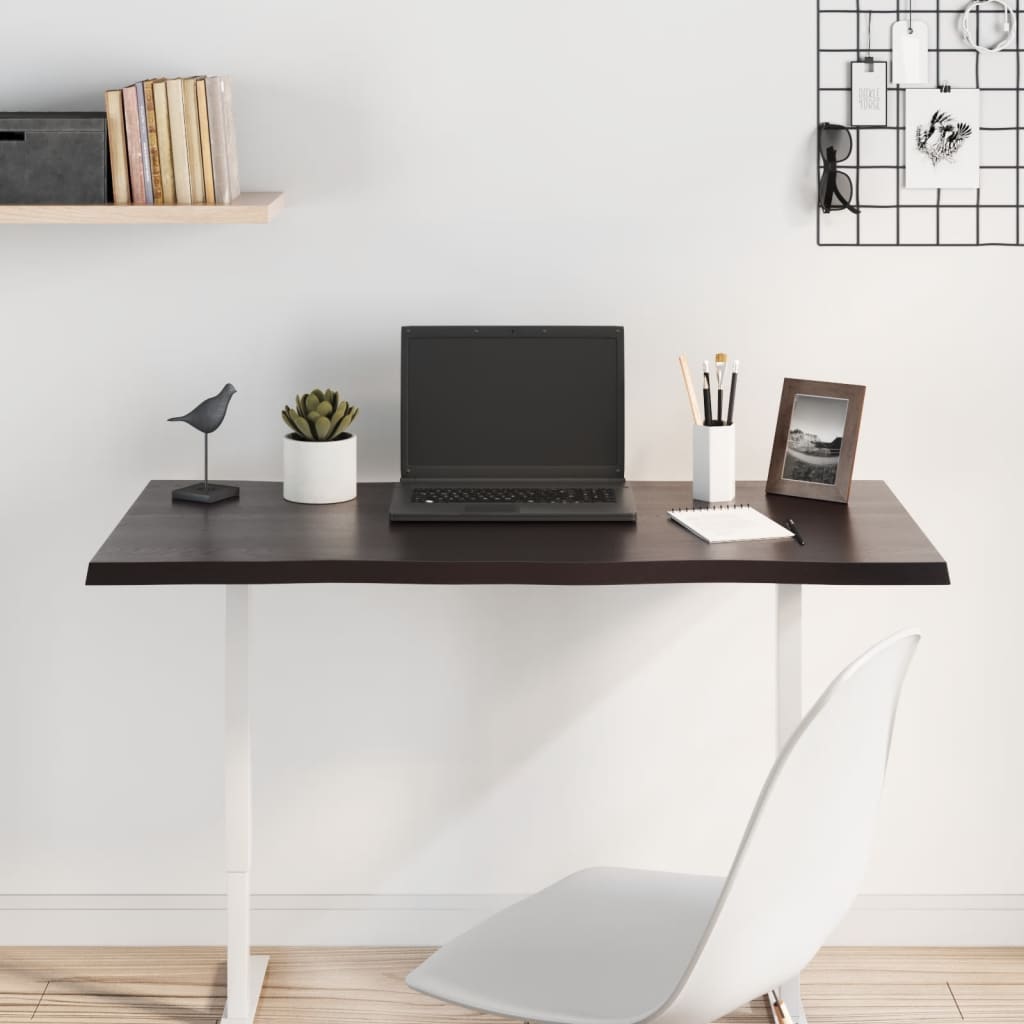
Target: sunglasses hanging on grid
(835, 189)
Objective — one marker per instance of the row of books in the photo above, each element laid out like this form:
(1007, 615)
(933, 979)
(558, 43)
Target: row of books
(172, 140)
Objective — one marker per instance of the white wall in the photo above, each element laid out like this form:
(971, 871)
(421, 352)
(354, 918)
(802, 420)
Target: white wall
(454, 161)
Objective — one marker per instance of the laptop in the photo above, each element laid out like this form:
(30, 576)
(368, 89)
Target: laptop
(512, 424)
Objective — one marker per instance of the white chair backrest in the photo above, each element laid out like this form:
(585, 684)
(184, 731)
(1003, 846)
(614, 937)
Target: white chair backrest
(805, 851)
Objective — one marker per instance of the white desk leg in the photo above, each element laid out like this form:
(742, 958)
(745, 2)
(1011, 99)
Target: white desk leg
(244, 972)
(789, 708)
(788, 712)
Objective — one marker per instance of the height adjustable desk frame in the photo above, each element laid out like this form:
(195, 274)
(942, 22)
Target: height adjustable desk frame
(262, 539)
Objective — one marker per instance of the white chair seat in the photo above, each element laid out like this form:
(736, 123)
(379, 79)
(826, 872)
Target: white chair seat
(603, 946)
(613, 946)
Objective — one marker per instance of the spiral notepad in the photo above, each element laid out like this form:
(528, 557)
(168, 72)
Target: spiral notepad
(718, 524)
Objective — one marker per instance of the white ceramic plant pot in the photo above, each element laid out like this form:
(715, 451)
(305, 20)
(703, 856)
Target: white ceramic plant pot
(320, 472)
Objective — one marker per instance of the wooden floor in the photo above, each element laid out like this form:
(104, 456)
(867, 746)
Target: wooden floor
(365, 986)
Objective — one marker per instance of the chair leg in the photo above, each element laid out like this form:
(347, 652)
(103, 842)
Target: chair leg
(789, 997)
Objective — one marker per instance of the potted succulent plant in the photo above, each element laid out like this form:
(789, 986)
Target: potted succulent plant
(319, 452)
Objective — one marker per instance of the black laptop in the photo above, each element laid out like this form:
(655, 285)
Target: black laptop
(512, 423)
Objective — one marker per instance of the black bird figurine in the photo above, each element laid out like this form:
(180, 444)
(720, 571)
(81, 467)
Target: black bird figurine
(206, 417)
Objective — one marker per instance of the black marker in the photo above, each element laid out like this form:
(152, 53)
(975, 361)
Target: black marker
(791, 526)
(732, 391)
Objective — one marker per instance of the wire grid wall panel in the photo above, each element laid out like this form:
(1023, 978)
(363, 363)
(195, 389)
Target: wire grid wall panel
(892, 214)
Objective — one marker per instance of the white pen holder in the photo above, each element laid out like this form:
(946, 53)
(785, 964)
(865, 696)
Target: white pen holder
(714, 464)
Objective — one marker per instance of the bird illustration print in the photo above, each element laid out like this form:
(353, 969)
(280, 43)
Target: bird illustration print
(942, 139)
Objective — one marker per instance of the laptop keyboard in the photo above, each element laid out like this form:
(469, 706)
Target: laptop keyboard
(524, 495)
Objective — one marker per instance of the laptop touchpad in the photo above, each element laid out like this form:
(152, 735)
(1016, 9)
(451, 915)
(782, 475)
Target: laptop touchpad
(510, 507)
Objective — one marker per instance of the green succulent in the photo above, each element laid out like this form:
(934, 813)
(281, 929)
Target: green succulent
(319, 416)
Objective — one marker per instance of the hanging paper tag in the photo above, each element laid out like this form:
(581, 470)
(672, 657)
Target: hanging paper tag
(869, 93)
(910, 53)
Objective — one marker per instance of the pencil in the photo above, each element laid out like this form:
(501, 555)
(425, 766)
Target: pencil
(690, 393)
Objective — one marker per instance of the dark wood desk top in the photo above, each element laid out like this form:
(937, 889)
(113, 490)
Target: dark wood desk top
(261, 538)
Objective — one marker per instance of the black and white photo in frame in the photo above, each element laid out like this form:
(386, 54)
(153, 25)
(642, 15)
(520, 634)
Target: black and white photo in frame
(942, 138)
(816, 439)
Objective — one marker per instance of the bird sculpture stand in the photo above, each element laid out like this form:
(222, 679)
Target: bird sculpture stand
(206, 417)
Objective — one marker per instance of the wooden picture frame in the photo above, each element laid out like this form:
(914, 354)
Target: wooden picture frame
(816, 440)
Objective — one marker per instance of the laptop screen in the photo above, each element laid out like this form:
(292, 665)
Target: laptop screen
(512, 402)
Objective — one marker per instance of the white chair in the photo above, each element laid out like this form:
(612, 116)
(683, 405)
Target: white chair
(619, 946)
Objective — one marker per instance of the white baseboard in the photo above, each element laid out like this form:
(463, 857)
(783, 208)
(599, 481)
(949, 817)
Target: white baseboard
(952, 920)
(199, 920)
(417, 920)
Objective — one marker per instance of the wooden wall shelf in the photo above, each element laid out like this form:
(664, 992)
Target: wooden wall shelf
(248, 208)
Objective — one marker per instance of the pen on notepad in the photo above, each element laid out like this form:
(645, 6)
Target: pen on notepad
(791, 526)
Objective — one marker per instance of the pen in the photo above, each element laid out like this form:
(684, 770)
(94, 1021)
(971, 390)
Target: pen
(791, 526)
(708, 418)
(732, 390)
